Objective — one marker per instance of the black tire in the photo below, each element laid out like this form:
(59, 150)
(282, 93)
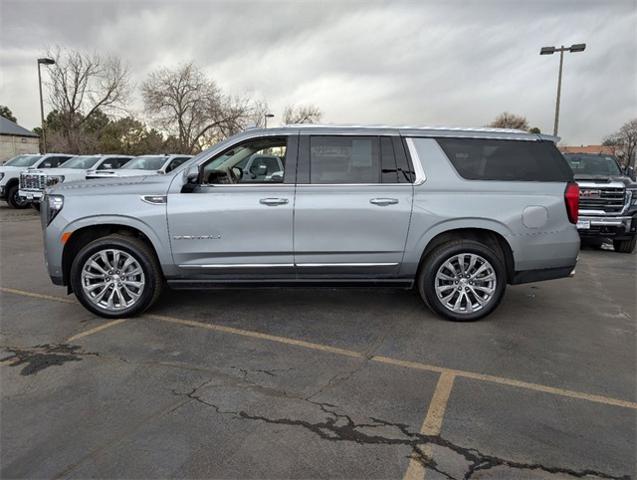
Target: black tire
(625, 246)
(36, 206)
(134, 247)
(14, 200)
(434, 260)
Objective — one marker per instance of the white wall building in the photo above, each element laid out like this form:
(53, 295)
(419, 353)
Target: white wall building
(15, 140)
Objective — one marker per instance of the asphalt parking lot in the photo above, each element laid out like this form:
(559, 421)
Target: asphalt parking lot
(295, 383)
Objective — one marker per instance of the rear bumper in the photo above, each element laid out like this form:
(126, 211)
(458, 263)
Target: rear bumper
(529, 276)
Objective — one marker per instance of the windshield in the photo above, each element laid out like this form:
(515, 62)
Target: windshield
(603, 165)
(146, 162)
(83, 162)
(23, 160)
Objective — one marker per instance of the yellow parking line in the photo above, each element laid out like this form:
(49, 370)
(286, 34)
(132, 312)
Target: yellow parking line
(546, 389)
(381, 359)
(432, 425)
(36, 295)
(260, 336)
(104, 326)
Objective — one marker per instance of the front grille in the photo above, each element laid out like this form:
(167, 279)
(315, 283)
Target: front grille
(609, 199)
(30, 181)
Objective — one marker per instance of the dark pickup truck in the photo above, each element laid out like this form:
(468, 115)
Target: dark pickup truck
(608, 201)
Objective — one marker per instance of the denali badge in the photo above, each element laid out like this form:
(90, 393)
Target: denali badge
(197, 237)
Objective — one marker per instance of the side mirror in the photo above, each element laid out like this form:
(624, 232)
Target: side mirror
(191, 176)
(191, 179)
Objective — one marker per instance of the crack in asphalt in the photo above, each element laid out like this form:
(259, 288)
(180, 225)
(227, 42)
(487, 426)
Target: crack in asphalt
(341, 427)
(344, 377)
(43, 356)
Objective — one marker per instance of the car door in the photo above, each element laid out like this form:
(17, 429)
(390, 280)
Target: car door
(353, 205)
(243, 228)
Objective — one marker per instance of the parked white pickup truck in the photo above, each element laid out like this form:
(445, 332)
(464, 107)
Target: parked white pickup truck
(144, 165)
(10, 174)
(34, 181)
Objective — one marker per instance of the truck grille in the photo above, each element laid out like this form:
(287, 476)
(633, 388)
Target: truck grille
(609, 199)
(30, 181)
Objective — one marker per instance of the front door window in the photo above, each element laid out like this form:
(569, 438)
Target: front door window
(255, 161)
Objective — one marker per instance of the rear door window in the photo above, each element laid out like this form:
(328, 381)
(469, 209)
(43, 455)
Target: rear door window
(506, 160)
(341, 159)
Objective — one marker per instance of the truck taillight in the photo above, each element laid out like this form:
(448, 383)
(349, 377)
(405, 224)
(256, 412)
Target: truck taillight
(571, 199)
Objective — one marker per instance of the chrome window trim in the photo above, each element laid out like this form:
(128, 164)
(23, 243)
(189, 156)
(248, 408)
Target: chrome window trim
(416, 163)
(266, 184)
(354, 184)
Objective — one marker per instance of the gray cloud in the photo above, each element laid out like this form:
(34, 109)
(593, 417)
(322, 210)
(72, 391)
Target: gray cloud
(442, 62)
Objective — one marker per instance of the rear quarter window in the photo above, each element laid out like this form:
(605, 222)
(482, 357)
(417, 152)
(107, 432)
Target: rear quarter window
(506, 160)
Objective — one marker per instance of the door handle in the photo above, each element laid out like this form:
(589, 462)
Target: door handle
(383, 202)
(273, 202)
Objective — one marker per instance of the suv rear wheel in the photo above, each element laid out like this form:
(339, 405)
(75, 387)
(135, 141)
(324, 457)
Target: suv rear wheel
(116, 276)
(463, 280)
(14, 199)
(625, 246)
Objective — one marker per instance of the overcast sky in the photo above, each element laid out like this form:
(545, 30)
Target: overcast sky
(456, 63)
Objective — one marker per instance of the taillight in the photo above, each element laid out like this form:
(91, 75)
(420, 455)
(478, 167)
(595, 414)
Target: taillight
(571, 199)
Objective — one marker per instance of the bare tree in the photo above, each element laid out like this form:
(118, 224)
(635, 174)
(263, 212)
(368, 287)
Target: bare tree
(258, 111)
(624, 142)
(186, 103)
(82, 86)
(295, 114)
(509, 120)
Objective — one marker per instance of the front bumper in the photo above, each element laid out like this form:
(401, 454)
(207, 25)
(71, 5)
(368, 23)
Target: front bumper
(607, 226)
(31, 195)
(3, 193)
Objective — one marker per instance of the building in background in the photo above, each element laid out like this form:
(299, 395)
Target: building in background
(595, 149)
(16, 140)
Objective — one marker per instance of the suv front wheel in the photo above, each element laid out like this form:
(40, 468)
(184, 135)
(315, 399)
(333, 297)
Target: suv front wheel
(463, 280)
(116, 276)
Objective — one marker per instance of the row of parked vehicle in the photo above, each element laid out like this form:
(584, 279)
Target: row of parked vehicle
(24, 178)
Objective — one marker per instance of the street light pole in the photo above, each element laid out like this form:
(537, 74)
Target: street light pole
(577, 47)
(43, 61)
(559, 93)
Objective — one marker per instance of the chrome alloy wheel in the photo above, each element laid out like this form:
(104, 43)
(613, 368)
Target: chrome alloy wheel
(112, 279)
(465, 283)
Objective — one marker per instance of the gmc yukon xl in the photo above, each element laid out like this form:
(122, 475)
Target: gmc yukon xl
(456, 213)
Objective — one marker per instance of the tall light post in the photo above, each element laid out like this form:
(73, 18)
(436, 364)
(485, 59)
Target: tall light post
(578, 47)
(266, 116)
(43, 61)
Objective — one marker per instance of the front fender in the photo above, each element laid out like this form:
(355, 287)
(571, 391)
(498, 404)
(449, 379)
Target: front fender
(154, 228)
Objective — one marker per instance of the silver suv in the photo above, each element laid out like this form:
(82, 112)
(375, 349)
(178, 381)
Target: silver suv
(455, 213)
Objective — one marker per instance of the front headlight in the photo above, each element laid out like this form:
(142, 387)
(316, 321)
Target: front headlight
(1, 175)
(54, 204)
(54, 179)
